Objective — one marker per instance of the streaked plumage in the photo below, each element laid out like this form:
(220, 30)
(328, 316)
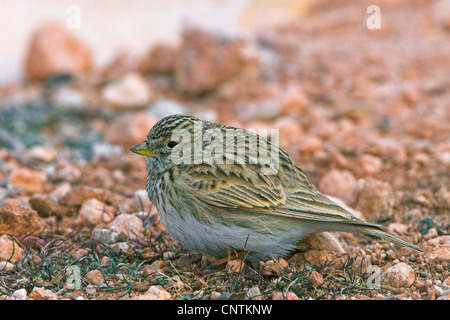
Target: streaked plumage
(211, 207)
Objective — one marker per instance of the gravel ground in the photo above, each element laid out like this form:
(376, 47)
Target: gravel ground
(364, 112)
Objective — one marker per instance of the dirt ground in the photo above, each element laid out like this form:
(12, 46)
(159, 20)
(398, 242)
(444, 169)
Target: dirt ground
(364, 112)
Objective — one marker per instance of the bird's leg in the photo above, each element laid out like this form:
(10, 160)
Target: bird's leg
(231, 256)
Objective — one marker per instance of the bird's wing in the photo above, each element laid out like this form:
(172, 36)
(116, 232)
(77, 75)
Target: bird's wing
(312, 205)
(233, 187)
(229, 187)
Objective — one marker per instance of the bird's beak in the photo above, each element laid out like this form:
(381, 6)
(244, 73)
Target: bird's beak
(143, 150)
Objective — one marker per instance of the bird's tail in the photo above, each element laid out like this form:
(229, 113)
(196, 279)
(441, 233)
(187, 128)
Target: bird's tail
(378, 232)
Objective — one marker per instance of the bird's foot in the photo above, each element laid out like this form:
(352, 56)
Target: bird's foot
(231, 256)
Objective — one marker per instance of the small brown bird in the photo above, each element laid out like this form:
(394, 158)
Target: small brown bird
(218, 188)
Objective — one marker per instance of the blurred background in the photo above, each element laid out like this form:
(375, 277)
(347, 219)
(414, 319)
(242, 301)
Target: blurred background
(360, 91)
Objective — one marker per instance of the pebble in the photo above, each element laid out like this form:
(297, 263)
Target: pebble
(10, 250)
(438, 248)
(337, 183)
(94, 212)
(128, 92)
(105, 236)
(159, 292)
(6, 266)
(254, 294)
(374, 198)
(315, 278)
(95, 277)
(398, 276)
(20, 294)
(67, 98)
(236, 265)
(273, 267)
(268, 109)
(323, 241)
(91, 290)
(42, 154)
(42, 294)
(54, 50)
(122, 133)
(370, 164)
(127, 226)
(31, 181)
(284, 296)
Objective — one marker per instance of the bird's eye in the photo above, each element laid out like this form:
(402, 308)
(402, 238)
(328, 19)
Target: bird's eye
(172, 144)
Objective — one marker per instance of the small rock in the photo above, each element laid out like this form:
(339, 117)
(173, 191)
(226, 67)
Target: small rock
(184, 261)
(388, 149)
(168, 256)
(268, 110)
(141, 200)
(42, 294)
(105, 260)
(95, 277)
(375, 199)
(438, 248)
(18, 220)
(9, 249)
(290, 132)
(31, 181)
(54, 50)
(315, 278)
(431, 233)
(434, 292)
(141, 286)
(67, 98)
(214, 295)
(272, 267)
(67, 171)
(164, 108)
(338, 183)
(284, 296)
(122, 247)
(397, 227)
(236, 265)
(128, 92)
(91, 290)
(159, 292)
(42, 154)
(398, 276)
(61, 190)
(47, 206)
(79, 194)
(20, 294)
(127, 226)
(441, 12)
(154, 267)
(105, 236)
(5, 266)
(312, 257)
(80, 253)
(370, 164)
(94, 212)
(130, 129)
(294, 102)
(161, 58)
(207, 60)
(254, 294)
(323, 241)
(445, 295)
(310, 144)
